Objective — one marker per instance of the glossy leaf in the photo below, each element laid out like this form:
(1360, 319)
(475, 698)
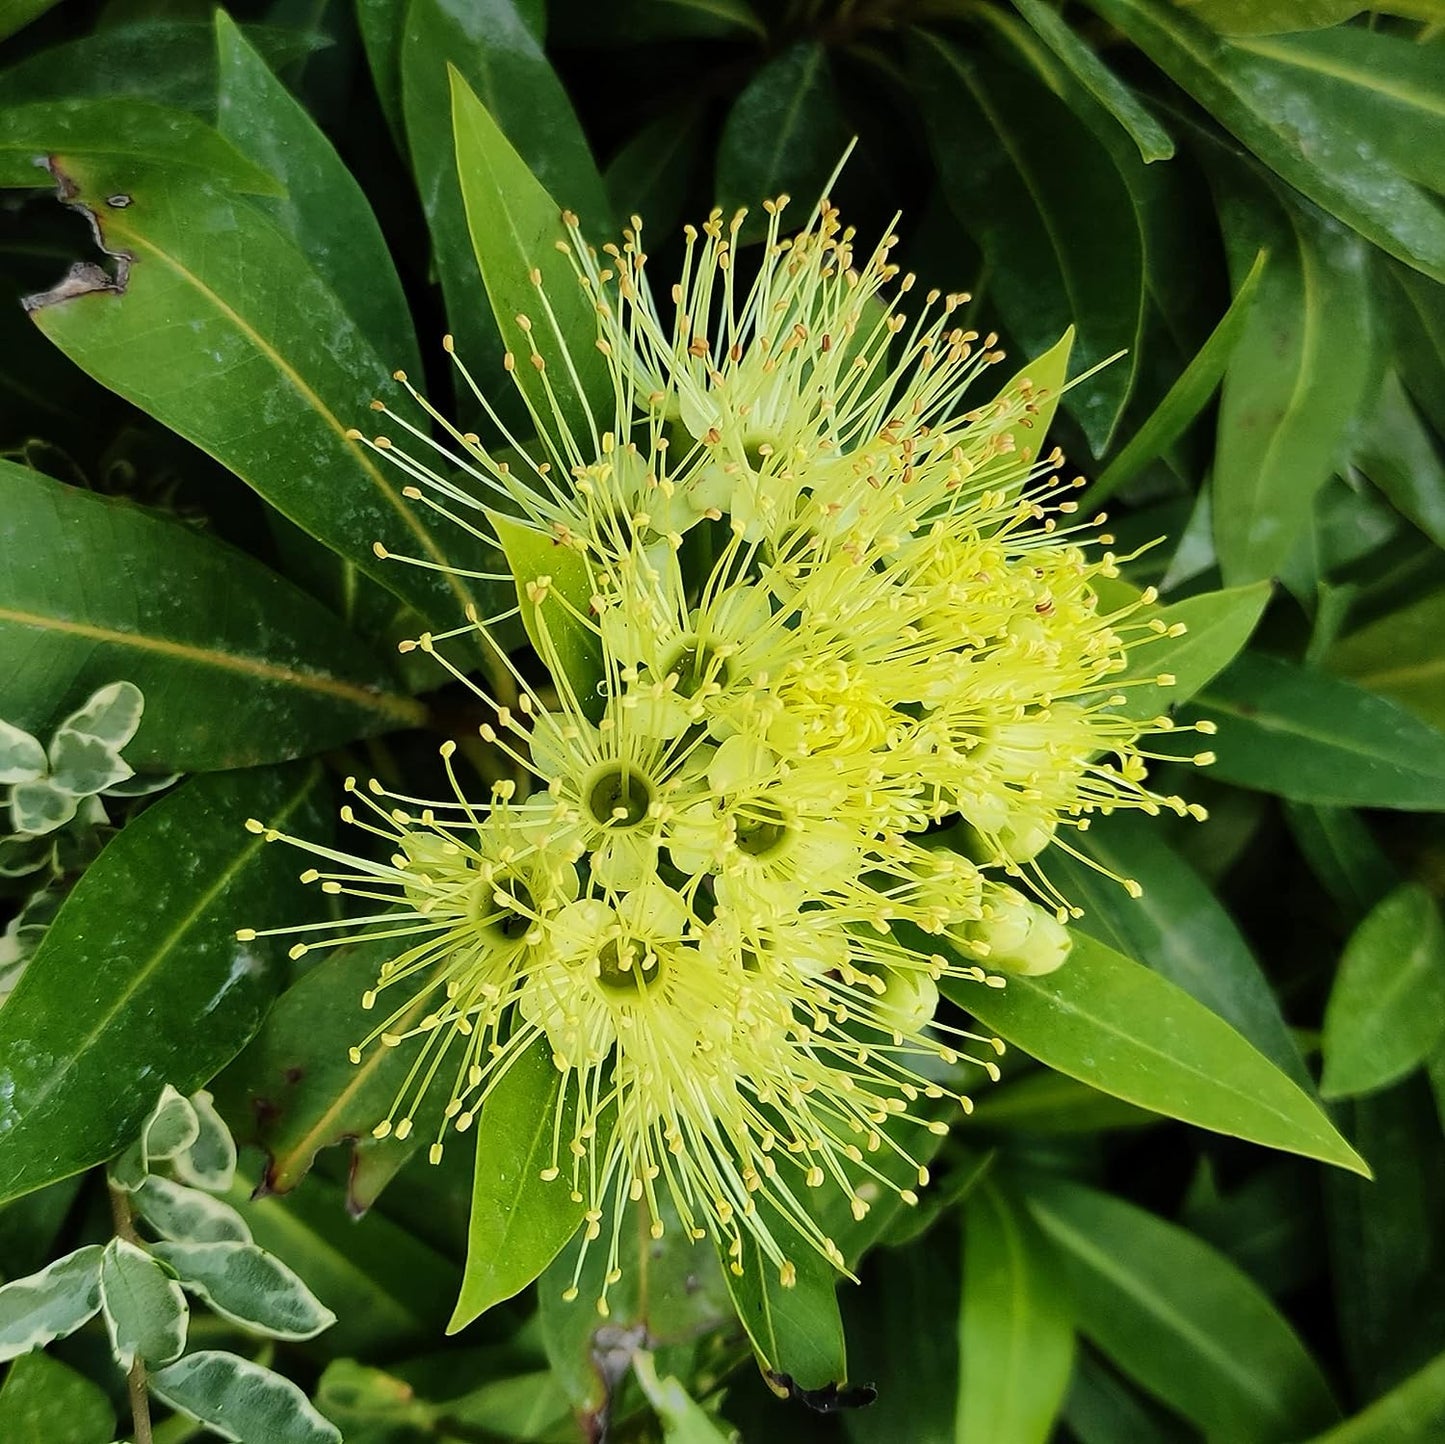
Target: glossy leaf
(237, 666)
(1185, 399)
(141, 954)
(1304, 135)
(145, 1312)
(785, 134)
(44, 1402)
(222, 330)
(248, 1286)
(1411, 1413)
(519, 1221)
(50, 1304)
(1126, 1030)
(1386, 1009)
(1052, 212)
(242, 1401)
(1181, 1319)
(1177, 927)
(1043, 1101)
(1313, 738)
(1015, 1328)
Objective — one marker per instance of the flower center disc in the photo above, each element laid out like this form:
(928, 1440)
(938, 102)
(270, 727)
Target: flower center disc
(507, 920)
(619, 797)
(696, 665)
(759, 828)
(633, 978)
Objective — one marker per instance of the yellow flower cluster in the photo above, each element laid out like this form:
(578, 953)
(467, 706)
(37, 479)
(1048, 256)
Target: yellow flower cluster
(851, 677)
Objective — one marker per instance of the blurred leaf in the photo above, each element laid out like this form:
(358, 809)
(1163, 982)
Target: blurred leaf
(784, 134)
(650, 176)
(1399, 657)
(1387, 1251)
(1416, 309)
(223, 332)
(1343, 856)
(1329, 151)
(1015, 1328)
(1043, 1101)
(1218, 624)
(44, 1402)
(248, 1286)
(237, 666)
(1185, 399)
(1386, 1010)
(1411, 1413)
(15, 15)
(1181, 1320)
(1313, 738)
(625, 22)
(1396, 451)
(1103, 1409)
(145, 1312)
(1084, 64)
(1119, 1027)
(1271, 17)
(244, 1401)
(1177, 927)
(1296, 376)
(1052, 212)
(519, 1221)
(382, 25)
(140, 976)
(51, 1304)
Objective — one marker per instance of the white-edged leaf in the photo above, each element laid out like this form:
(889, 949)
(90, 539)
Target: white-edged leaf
(241, 1401)
(51, 1304)
(210, 1161)
(83, 766)
(249, 1286)
(186, 1215)
(145, 1311)
(22, 758)
(171, 1127)
(40, 807)
(110, 716)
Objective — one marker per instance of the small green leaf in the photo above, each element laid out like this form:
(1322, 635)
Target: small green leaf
(1040, 384)
(186, 1215)
(170, 1127)
(44, 1402)
(241, 1401)
(1122, 1028)
(683, 1419)
(1411, 1413)
(209, 1162)
(1386, 1011)
(51, 1304)
(22, 758)
(1015, 1327)
(140, 976)
(111, 716)
(1181, 1320)
(249, 1286)
(1313, 738)
(519, 1222)
(40, 807)
(145, 1311)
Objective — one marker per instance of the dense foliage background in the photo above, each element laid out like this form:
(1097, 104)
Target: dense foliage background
(1233, 202)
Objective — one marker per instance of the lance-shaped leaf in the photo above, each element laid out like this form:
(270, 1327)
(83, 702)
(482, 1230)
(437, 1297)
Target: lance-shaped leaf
(1124, 1029)
(1410, 1411)
(242, 1401)
(140, 976)
(50, 1304)
(248, 1286)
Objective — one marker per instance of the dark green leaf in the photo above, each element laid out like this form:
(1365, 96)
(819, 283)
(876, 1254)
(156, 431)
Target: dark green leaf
(520, 1221)
(1411, 1413)
(650, 176)
(1416, 308)
(1399, 657)
(1396, 451)
(1103, 1409)
(1312, 738)
(1181, 1320)
(1387, 1007)
(141, 977)
(1343, 856)
(1268, 17)
(1052, 212)
(15, 15)
(236, 665)
(1015, 1328)
(1121, 1028)
(44, 1402)
(1043, 1101)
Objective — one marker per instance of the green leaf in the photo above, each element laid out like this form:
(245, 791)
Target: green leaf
(1298, 129)
(515, 226)
(209, 1162)
(249, 1286)
(242, 1401)
(186, 1215)
(1125, 1030)
(1052, 212)
(1015, 1327)
(1297, 374)
(1343, 855)
(540, 148)
(1416, 311)
(22, 758)
(1181, 1320)
(683, 1419)
(1399, 657)
(554, 591)
(1411, 1413)
(140, 975)
(16, 14)
(1185, 399)
(784, 134)
(1399, 455)
(1268, 17)
(45, 140)
(1103, 1409)
(1386, 1010)
(44, 1402)
(145, 1311)
(50, 1304)
(239, 666)
(650, 176)
(1043, 1101)
(1177, 927)
(1085, 66)
(1217, 626)
(1313, 738)
(519, 1221)
(1041, 382)
(221, 329)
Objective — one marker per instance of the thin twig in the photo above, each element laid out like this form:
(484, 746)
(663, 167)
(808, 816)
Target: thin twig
(140, 1404)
